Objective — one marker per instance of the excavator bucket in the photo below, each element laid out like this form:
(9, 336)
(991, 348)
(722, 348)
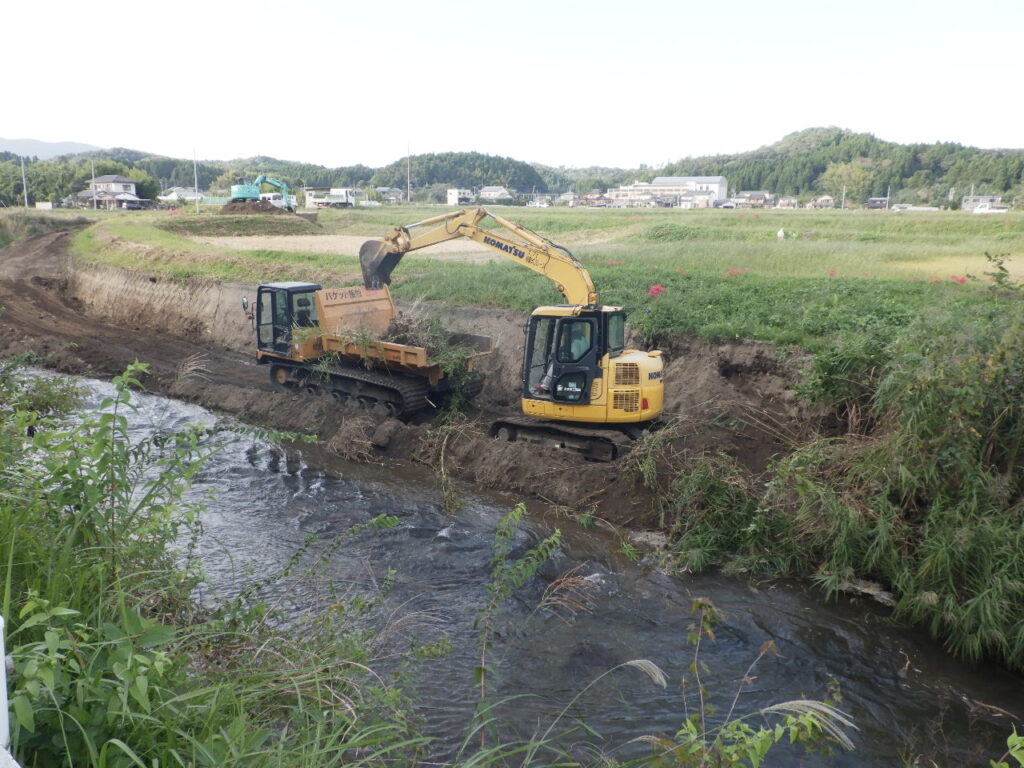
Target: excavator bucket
(377, 261)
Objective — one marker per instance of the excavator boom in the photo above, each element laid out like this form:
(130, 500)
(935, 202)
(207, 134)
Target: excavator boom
(378, 258)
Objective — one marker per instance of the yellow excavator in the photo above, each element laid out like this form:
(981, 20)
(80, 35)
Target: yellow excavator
(581, 387)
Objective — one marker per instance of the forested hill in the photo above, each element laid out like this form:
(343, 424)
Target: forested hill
(809, 162)
(462, 169)
(829, 159)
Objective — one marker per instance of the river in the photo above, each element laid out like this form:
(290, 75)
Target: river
(264, 502)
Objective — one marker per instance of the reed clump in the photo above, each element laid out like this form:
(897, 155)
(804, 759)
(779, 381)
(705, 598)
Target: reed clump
(916, 482)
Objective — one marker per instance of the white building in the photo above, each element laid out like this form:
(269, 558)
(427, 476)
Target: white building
(460, 196)
(495, 193)
(696, 191)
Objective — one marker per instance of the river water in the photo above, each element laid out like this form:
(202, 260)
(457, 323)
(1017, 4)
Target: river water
(265, 502)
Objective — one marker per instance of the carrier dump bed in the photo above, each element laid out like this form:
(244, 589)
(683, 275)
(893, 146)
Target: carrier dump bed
(337, 343)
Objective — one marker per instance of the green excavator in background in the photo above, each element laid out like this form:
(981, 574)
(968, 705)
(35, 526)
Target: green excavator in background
(242, 192)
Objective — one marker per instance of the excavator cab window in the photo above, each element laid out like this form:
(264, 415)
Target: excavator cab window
(561, 358)
(616, 333)
(273, 321)
(575, 337)
(279, 309)
(305, 310)
(541, 335)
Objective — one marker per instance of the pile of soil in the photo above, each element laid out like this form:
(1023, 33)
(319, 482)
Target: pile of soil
(252, 207)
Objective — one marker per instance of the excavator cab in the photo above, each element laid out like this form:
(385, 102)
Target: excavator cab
(280, 307)
(564, 352)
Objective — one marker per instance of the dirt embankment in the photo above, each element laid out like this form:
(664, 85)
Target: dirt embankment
(733, 398)
(253, 208)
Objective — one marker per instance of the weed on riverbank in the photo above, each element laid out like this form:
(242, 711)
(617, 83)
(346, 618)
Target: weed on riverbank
(921, 488)
(114, 664)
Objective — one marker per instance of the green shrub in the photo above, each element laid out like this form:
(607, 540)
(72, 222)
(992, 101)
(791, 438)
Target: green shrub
(933, 503)
(713, 514)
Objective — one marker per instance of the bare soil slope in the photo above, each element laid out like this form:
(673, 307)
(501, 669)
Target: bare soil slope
(733, 398)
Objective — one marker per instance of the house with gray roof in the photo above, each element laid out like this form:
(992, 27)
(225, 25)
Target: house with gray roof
(108, 192)
(494, 193)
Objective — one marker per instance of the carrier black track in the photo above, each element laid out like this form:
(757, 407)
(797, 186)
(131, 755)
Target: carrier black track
(411, 391)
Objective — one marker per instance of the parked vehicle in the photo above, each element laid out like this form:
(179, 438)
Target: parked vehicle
(990, 208)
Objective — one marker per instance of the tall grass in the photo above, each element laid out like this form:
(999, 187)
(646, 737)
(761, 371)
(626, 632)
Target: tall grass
(924, 492)
(114, 665)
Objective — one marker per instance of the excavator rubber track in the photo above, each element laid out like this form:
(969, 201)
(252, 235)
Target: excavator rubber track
(595, 444)
(399, 395)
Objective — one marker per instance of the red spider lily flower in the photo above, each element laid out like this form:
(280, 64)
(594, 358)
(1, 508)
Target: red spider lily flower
(736, 272)
(656, 290)
(613, 263)
(958, 279)
(832, 273)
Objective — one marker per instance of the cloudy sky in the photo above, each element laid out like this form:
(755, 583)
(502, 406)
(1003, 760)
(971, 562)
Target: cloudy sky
(561, 82)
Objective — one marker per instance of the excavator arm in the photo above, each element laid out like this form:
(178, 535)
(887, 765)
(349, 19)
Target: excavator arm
(378, 258)
(277, 184)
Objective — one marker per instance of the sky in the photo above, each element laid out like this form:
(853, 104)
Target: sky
(568, 83)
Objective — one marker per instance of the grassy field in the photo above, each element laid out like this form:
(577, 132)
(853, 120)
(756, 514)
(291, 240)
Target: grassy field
(726, 273)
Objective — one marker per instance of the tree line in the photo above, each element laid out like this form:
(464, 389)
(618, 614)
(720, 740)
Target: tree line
(829, 160)
(809, 162)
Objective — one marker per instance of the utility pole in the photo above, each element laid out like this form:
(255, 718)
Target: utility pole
(24, 181)
(408, 174)
(842, 205)
(195, 179)
(888, 189)
(92, 163)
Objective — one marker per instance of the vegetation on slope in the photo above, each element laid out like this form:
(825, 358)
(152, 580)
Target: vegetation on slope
(921, 489)
(827, 159)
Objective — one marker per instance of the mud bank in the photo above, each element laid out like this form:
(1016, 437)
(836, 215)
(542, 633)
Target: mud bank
(733, 398)
(198, 310)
